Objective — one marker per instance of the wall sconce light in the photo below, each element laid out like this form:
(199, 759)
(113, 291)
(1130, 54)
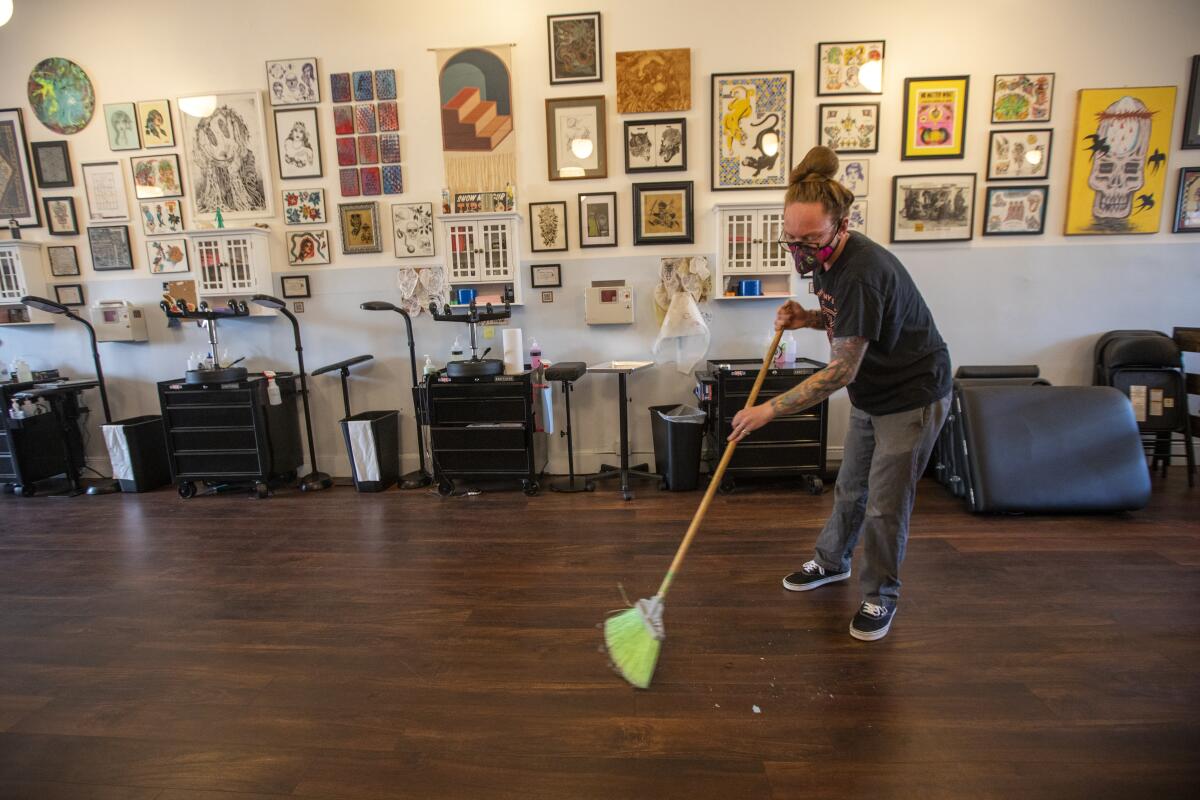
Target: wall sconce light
(199, 106)
(870, 75)
(582, 148)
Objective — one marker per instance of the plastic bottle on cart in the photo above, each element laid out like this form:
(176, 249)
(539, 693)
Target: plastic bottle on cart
(429, 368)
(274, 397)
(535, 354)
(456, 351)
(24, 373)
(28, 409)
(15, 412)
(785, 356)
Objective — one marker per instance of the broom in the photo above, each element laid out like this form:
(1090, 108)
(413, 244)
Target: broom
(633, 636)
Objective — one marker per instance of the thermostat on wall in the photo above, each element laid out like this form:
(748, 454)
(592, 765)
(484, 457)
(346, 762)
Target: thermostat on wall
(608, 303)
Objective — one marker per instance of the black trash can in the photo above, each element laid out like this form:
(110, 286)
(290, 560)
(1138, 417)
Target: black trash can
(373, 444)
(678, 437)
(137, 448)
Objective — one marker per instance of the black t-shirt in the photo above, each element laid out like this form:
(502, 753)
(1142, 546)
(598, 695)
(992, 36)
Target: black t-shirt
(868, 292)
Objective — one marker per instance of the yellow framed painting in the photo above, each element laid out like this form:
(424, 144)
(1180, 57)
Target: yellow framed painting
(1119, 160)
(935, 117)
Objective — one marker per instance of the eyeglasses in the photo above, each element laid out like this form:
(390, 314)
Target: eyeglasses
(796, 246)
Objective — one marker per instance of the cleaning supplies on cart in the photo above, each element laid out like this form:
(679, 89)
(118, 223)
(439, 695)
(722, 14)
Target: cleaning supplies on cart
(21, 371)
(785, 356)
(535, 354)
(430, 369)
(274, 397)
(456, 351)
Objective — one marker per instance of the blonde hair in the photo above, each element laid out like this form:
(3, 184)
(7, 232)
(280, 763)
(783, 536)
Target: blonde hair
(812, 181)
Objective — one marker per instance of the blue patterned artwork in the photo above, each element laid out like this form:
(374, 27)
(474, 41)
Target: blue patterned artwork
(339, 87)
(393, 179)
(364, 88)
(61, 95)
(752, 130)
(385, 84)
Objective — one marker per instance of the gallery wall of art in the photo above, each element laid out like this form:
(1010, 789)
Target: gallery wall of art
(351, 101)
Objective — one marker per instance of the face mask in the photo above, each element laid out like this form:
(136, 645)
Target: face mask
(809, 258)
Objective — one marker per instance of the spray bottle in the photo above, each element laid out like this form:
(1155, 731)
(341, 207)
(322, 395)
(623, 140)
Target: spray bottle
(274, 397)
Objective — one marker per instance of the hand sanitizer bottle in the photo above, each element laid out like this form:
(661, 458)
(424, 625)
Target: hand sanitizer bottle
(429, 368)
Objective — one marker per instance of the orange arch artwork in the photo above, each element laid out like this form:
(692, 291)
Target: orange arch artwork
(475, 91)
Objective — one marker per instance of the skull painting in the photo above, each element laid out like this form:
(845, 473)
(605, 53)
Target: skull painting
(1118, 169)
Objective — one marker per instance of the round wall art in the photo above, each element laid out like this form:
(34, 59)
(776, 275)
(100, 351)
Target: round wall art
(61, 95)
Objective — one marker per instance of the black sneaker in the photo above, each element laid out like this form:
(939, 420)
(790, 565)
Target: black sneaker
(810, 576)
(872, 622)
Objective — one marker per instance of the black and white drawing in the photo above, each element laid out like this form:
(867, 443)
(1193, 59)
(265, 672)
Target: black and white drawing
(412, 230)
(933, 208)
(656, 145)
(293, 81)
(110, 249)
(227, 157)
(299, 143)
(1017, 155)
(547, 227)
(855, 175)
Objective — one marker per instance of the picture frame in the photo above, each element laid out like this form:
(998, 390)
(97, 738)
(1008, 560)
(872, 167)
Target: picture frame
(857, 216)
(1191, 117)
(161, 216)
(663, 213)
(293, 81)
(166, 256)
(574, 44)
(548, 227)
(295, 286)
(545, 276)
(156, 176)
(63, 259)
(468, 203)
(298, 143)
(154, 122)
(1019, 154)
(840, 67)
(751, 130)
(548, 296)
(69, 294)
(935, 117)
(656, 145)
(120, 123)
(17, 197)
(303, 206)
(104, 187)
(1015, 210)
(598, 219)
(654, 81)
(109, 246)
(855, 175)
(849, 127)
(359, 224)
(933, 208)
(1187, 202)
(308, 247)
(1022, 98)
(52, 165)
(244, 193)
(412, 230)
(60, 216)
(570, 120)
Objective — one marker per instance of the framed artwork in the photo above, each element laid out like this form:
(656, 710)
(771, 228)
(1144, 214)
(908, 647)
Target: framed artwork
(1015, 210)
(372, 180)
(303, 206)
(368, 149)
(64, 260)
(574, 43)
(17, 199)
(1191, 118)
(69, 294)
(1022, 98)
(161, 216)
(855, 175)
(52, 163)
(104, 185)
(468, 202)
(935, 117)
(295, 285)
(933, 208)
(545, 276)
(299, 143)
(850, 68)
(576, 138)
(857, 216)
(307, 247)
(598, 219)
(548, 296)
(412, 230)
(751, 130)
(385, 84)
(663, 213)
(654, 81)
(339, 87)
(849, 127)
(364, 86)
(61, 95)
(1187, 206)
(110, 248)
(293, 81)
(167, 255)
(120, 120)
(387, 116)
(548, 227)
(360, 227)
(1119, 160)
(156, 176)
(364, 118)
(60, 216)
(1019, 154)
(154, 120)
(656, 145)
(226, 154)
(347, 151)
(348, 181)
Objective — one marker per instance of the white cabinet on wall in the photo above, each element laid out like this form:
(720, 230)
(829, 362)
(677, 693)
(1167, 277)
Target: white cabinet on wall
(21, 274)
(483, 253)
(748, 249)
(232, 262)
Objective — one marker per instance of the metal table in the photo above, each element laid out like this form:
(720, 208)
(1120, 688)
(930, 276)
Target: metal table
(622, 369)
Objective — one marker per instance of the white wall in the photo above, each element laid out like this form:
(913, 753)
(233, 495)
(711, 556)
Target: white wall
(1041, 300)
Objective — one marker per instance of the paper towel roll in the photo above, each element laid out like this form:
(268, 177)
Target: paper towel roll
(514, 352)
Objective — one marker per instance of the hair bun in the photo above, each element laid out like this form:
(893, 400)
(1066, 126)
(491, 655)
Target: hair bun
(820, 163)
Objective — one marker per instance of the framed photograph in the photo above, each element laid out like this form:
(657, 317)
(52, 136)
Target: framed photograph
(656, 145)
(307, 247)
(161, 216)
(855, 175)
(933, 208)
(69, 294)
(654, 81)
(360, 228)
(574, 43)
(64, 260)
(576, 138)
(17, 199)
(167, 255)
(104, 185)
(663, 213)
(850, 68)
(751, 121)
(154, 120)
(1022, 98)
(468, 202)
(548, 227)
(303, 206)
(857, 218)
(598, 219)
(60, 216)
(52, 163)
(545, 276)
(295, 286)
(156, 176)
(110, 248)
(120, 120)
(935, 117)
(293, 81)
(299, 143)
(236, 176)
(1019, 154)
(412, 230)
(849, 127)
(1191, 118)
(1015, 210)
(1187, 206)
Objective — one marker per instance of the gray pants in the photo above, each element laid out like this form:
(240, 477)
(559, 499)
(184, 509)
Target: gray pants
(884, 456)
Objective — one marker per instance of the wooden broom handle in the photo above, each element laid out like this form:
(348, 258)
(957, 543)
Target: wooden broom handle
(715, 481)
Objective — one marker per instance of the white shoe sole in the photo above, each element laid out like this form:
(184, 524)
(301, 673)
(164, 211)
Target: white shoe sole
(864, 636)
(806, 587)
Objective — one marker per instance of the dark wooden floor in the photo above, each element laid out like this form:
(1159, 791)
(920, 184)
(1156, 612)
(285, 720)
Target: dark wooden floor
(403, 645)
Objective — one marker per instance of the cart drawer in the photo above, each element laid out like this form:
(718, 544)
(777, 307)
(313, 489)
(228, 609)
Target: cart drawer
(482, 461)
(214, 439)
(217, 464)
(479, 438)
(497, 410)
(6, 467)
(776, 456)
(5, 447)
(212, 417)
(207, 397)
(478, 391)
(806, 428)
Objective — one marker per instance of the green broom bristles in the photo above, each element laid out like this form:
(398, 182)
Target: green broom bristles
(633, 638)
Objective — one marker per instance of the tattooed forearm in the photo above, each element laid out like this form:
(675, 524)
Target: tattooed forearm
(843, 366)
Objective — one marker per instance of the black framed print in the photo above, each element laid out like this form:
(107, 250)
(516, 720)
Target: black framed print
(933, 208)
(17, 198)
(849, 127)
(574, 44)
(1015, 210)
(298, 143)
(656, 145)
(110, 247)
(1015, 155)
(1191, 119)
(69, 294)
(598, 219)
(663, 213)
(545, 276)
(64, 260)
(60, 216)
(295, 286)
(1187, 206)
(52, 165)
(548, 227)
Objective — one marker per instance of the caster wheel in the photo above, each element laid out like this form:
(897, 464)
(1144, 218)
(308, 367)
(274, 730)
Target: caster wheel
(726, 487)
(261, 490)
(445, 488)
(531, 488)
(24, 491)
(627, 496)
(187, 490)
(589, 487)
(816, 486)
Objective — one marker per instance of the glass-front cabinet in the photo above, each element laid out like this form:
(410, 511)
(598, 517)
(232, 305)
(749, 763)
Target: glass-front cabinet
(750, 261)
(483, 253)
(21, 274)
(231, 262)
